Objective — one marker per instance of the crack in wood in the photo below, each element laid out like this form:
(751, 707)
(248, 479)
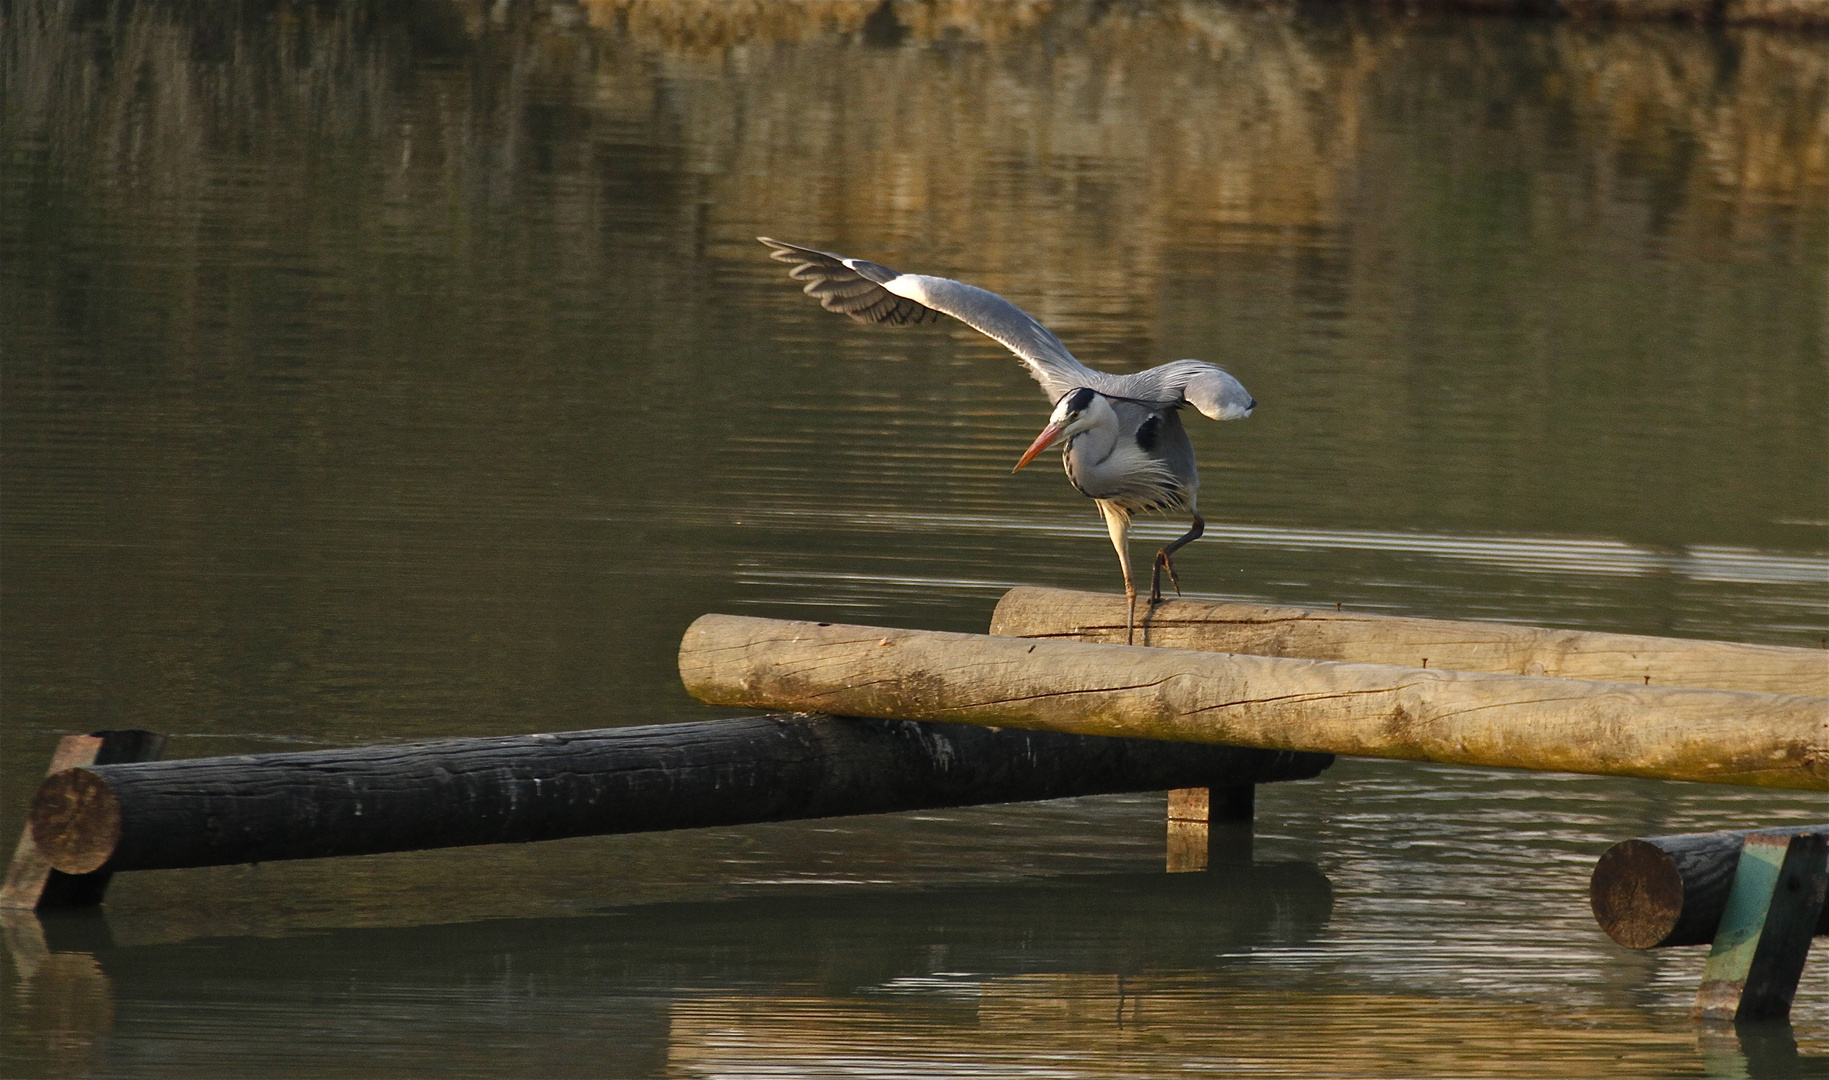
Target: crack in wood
(1058, 693)
(1295, 697)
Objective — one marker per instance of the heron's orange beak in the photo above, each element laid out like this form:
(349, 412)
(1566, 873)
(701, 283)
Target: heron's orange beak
(1048, 435)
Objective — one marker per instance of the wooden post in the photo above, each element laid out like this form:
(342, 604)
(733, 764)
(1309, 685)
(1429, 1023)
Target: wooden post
(1192, 812)
(1187, 829)
(1368, 710)
(1662, 891)
(31, 883)
(1237, 804)
(1357, 637)
(1759, 950)
(1209, 825)
(363, 800)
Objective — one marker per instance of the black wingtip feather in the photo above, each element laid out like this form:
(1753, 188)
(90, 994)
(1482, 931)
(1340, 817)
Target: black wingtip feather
(853, 288)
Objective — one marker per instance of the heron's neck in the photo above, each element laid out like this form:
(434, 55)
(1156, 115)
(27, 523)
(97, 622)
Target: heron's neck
(1094, 445)
(1089, 450)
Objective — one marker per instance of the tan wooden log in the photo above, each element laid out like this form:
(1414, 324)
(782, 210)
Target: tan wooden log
(1357, 637)
(1368, 710)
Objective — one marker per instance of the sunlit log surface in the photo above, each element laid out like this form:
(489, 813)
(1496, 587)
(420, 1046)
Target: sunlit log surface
(514, 789)
(1658, 891)
(1359, 637)
(1367, 710)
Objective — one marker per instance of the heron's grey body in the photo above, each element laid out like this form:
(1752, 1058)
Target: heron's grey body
(1141, 462)
(1124, 444)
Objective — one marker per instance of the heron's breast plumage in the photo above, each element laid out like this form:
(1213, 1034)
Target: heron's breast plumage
(1128, 476)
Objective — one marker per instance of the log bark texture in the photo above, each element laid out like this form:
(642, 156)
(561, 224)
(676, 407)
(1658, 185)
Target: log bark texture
(364, 800)
(1655, 892)
(1356, 637)
(1360, 709)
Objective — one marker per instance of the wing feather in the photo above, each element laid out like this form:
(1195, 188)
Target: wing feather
(871, 300)
(849, 286)
(1208, 387)
(844, 290)
(871, 293)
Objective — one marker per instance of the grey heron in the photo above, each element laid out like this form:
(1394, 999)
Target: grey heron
(1122, 442)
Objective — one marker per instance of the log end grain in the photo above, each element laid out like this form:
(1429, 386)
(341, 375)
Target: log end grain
(1637, 894)
(76, 821)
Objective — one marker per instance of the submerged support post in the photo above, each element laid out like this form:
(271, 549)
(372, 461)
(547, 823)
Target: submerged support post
(1187, 833)
(31, 882)
(1209, 825)
(1236, 805)
(1759, 950)
(1758, 897)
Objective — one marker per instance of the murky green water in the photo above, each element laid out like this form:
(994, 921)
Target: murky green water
(378, 374)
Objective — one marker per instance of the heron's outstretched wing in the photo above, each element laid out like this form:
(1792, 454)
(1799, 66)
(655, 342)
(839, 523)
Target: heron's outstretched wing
(871, 293)
(850, 286)
(1208, 387)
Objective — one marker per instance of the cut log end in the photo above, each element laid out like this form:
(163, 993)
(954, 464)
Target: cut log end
(76, 821)
(1637, 894)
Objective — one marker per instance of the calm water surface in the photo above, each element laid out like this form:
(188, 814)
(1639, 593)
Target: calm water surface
(377, 373)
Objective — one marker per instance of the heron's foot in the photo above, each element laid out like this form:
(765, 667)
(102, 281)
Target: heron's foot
(1163, 562)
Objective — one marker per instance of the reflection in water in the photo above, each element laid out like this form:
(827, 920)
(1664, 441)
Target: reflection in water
(62, 1005)
(591, 995)
(1106, 975)
(382, 372)
(1106, 1026)
(1451, 914)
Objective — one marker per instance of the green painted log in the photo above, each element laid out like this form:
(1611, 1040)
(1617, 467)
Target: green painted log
(1764, 936)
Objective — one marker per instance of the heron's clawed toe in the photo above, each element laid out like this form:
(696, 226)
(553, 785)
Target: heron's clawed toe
(1155, 578)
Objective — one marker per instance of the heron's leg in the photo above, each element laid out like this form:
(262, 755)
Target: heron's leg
(1164, 559)
(1117, 522)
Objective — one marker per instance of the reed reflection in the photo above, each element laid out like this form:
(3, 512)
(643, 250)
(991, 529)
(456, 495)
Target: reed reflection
(1510, 240)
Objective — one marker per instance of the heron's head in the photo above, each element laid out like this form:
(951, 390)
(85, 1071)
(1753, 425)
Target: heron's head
(1073, 414)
